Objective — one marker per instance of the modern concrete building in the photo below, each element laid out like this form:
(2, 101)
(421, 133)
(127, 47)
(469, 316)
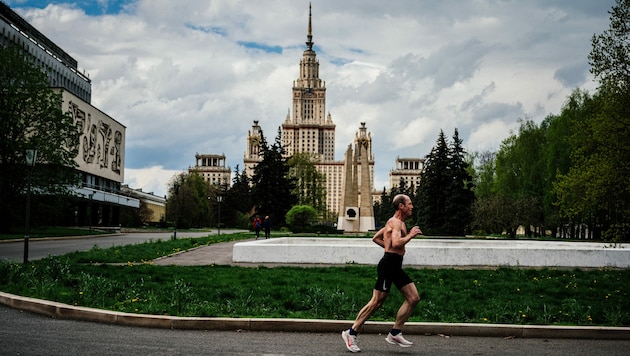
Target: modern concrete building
(156, 205)
(212, 169)
(101, 155)
(101, 164)
(61, 69)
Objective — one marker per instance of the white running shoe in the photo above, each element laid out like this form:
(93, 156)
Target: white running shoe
(350, 341)
(398, 340)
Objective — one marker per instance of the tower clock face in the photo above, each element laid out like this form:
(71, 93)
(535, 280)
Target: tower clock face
(255, 140)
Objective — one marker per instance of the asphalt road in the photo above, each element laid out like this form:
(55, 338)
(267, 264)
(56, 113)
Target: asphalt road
(41, 248)
(23, 333)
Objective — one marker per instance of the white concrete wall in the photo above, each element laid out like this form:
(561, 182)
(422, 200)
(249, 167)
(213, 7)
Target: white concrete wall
(435, 252)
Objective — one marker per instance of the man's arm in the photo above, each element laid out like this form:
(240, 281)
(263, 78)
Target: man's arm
(398, 240)
(379, 237)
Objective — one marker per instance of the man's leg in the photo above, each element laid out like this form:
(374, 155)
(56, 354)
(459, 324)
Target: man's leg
(411, 300)
(378, 297)
(350, 336)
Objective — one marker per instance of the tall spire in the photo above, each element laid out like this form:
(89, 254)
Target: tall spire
(309, 37)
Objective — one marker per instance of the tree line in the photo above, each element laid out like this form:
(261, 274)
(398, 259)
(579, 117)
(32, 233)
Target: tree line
(567, 177)
(570, 174)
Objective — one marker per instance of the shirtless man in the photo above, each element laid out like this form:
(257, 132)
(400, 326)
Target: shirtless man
(393, 238)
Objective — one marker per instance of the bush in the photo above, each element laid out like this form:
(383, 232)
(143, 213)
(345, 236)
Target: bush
(300, 217)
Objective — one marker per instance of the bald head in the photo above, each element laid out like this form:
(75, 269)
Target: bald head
(399, 199)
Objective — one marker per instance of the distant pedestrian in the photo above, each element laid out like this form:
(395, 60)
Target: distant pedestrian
(257, 226)
(267, 227)
(393, 238)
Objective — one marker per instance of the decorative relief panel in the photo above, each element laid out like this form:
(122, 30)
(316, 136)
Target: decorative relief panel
(101, 146)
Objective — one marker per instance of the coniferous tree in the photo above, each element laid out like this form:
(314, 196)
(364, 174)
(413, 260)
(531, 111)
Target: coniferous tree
(237, 201)
(436, 180)
(382, 208)
(445, 197)
(272, 185)
(460, 196)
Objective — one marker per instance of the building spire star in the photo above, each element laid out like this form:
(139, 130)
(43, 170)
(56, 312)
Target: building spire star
(309, 37)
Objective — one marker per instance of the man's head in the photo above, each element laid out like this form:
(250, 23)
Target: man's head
(402, 203)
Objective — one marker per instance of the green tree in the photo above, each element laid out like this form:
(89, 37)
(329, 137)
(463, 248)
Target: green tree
(486, 210)
(596, 188)
(272, 186)
(310, 184)
(484, 174)
(610, 54)
(132, 217)
(31, 116)
(520, 177)
(188, 204)
(382, 212)
(237, 203)
(460, 195)
(431, 199)
(557, 157)
(494, 214)
(445, 193)
(301, 215)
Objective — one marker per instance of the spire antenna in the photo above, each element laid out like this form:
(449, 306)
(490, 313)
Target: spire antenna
(309, 37)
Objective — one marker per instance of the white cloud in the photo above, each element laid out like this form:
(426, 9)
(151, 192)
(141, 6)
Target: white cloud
(488, 136)
(183, 79)
(150, 179)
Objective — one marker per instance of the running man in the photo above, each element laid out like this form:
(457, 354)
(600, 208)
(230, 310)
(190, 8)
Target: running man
(393, 238)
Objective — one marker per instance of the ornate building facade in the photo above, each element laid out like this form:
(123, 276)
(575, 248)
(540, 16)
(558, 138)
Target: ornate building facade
(252, 150)
(309, 128)
(212, 169)
(407, 169)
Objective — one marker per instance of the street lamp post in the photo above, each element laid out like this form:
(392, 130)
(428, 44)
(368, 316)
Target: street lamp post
(91, 195)
(31, 156)
(176, 190)
(219, 200)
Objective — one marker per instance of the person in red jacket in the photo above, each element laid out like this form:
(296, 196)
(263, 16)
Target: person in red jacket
(257, 226)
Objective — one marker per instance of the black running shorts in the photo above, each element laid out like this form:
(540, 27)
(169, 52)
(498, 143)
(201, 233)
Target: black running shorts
(390, 271)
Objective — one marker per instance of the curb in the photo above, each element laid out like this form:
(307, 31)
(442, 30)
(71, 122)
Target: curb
(66, 311)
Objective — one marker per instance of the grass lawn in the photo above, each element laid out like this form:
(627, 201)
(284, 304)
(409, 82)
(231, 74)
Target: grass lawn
(124, 279)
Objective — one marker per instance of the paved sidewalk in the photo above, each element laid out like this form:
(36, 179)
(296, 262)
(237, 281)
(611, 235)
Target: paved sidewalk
(217, 254)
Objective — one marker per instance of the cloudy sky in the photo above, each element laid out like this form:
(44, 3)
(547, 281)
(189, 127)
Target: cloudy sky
(190, 76)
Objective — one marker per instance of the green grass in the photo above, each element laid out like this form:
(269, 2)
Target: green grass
(503, 295)
(145, 252)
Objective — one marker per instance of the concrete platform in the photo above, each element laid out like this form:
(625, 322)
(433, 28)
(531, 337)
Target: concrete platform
(434, 252)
